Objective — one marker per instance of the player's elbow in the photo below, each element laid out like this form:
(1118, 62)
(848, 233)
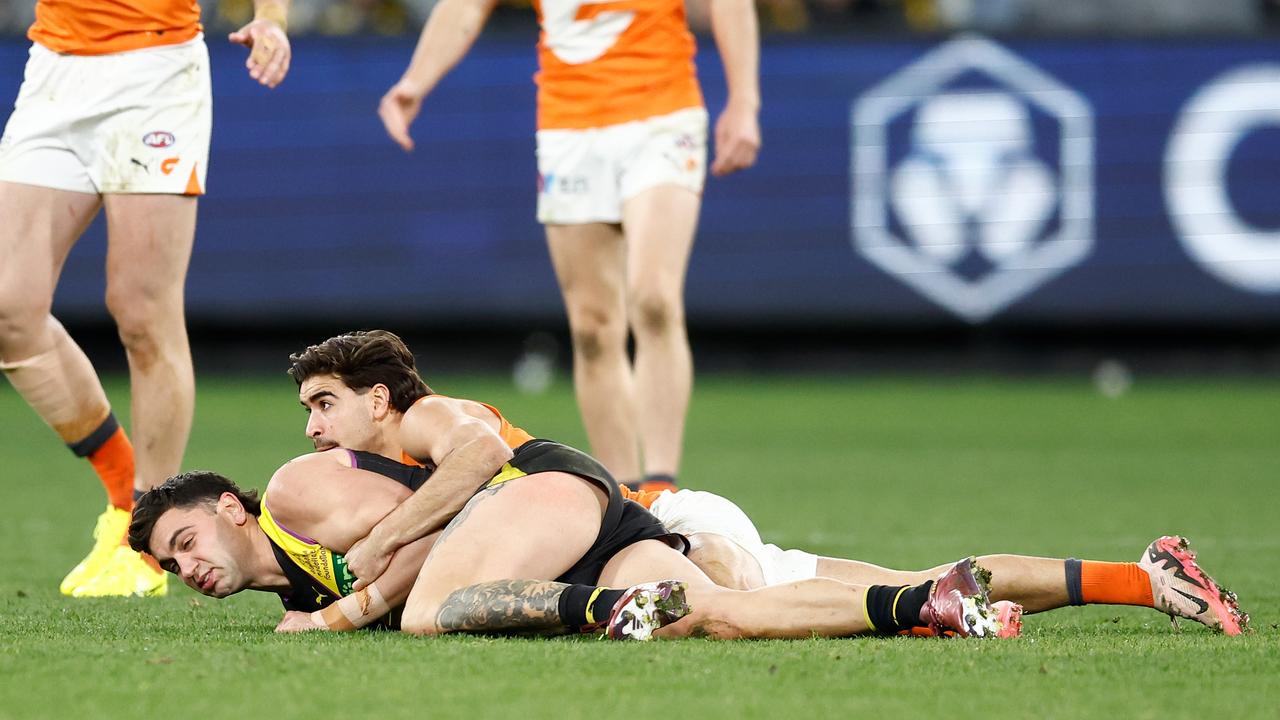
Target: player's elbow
(488, 450)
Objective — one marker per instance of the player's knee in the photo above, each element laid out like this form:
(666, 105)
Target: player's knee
(23, 313)
(656, 313)
(725, 562)
(595, 334)
(141, 321)
(21, 322)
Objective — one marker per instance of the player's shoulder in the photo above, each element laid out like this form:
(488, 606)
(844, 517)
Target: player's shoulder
(333, 457)
(435, 402)
(302, 473)
(440, 409)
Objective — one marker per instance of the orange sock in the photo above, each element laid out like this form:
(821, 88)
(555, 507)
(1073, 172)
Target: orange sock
(1114, 583)
(114, 464)
(111, 454)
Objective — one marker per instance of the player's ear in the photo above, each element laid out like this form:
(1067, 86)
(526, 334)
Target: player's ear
(380, 396)
(231, 505)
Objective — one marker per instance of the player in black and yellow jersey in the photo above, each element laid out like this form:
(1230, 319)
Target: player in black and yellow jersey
(221, 540)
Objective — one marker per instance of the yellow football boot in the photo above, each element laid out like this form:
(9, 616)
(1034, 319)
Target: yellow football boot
(125, 574)
(110, 529)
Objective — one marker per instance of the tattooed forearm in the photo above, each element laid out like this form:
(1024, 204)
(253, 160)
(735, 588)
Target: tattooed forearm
(502, 605)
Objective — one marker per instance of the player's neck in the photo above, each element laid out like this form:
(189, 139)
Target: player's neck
(390, 440)
(265, 572)
(390, 448)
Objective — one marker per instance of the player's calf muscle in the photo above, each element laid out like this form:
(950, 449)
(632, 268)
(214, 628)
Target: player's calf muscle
(501, 605)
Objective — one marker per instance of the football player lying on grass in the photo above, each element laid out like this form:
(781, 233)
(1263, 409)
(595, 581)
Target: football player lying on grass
(221, 540)
(363, 392)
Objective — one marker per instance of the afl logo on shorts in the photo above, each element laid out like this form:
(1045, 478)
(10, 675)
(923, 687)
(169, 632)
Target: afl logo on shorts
(158, 139)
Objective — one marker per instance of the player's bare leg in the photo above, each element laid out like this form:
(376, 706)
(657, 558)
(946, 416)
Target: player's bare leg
(794, 610)
(534, 528)
(42, 362)
(148, 248)
(659, 224)
(150, 242)
(1036, 583)
(590, 263)
(45, 365)
(821, 606)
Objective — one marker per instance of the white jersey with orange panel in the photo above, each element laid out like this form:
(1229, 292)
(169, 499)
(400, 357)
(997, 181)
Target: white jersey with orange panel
(116, 98)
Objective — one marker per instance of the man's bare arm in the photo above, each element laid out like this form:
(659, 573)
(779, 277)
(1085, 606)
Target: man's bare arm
(467, 453)
(323, 497)
(737, 131)
(368, 604)
(266, 38)
(449, 33)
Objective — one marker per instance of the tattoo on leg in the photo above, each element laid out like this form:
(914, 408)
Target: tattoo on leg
(462, 515)
(502, 605)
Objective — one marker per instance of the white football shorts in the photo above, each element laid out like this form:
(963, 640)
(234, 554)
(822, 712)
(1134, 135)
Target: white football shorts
(131, 122)
(689, 512)
(584, 176)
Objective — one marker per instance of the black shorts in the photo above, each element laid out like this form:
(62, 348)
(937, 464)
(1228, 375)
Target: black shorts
(625, 522)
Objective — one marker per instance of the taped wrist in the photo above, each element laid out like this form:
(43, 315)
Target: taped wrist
(356, 610)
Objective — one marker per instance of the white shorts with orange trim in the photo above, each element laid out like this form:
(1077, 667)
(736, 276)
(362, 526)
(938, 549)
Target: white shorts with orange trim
(690, 512)
(132, 122)
(585, 176)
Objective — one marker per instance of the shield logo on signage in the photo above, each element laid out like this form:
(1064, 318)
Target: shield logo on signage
(972, 177)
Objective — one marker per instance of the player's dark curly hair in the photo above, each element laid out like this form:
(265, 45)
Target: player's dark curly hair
(362, 359)
(183, 491)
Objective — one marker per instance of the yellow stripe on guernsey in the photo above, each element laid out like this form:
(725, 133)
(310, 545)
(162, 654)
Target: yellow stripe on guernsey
(508, 472)
(321, 563)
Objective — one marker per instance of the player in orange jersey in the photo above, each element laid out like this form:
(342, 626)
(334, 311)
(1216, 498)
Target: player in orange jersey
(115, 112)
(621, 147)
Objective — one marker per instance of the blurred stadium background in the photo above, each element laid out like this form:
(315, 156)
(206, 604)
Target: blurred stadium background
(945, 184)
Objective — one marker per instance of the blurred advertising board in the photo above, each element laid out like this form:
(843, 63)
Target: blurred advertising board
(901, 182)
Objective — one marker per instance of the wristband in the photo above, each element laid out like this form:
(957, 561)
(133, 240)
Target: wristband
(332, 617)
(368, 605)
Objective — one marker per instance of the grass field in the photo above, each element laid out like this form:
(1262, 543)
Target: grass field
(906, 473)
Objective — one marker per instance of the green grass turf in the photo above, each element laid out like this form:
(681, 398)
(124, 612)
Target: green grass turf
(907, 473)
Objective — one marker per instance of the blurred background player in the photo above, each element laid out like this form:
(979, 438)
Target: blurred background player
(115, 111)
(621, 147)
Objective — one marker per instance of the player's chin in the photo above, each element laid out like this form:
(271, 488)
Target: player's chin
(218, 591)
